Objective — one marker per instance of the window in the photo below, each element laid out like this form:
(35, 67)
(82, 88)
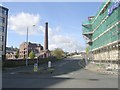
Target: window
(4, 11)
(1, 48)
(1, 38)
(0, 57)
(2, 28)
(2, 19)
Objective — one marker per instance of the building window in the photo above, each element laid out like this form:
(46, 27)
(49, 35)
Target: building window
(1, 28)
(0, 56)
(1, 38)
(1, 48)
(2, 19)
(4, 11)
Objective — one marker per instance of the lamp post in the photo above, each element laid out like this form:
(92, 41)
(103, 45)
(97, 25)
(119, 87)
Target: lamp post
(27, 47)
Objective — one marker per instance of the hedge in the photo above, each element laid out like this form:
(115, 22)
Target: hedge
(22, 62)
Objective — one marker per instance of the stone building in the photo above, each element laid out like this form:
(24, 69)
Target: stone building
(25, 49)
(11, 52)
(10, 55)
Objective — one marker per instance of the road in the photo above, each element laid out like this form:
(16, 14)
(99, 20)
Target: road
(68, 73)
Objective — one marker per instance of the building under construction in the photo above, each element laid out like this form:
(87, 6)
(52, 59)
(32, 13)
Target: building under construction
(102, 33)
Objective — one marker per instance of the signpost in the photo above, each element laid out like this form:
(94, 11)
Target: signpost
(35, 67)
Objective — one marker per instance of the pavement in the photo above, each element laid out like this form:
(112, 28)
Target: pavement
(93, 67)
(68, 73)
(97, 68)
(100, 69)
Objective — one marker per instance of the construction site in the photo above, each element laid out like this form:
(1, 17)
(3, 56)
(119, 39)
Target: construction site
(102, 33)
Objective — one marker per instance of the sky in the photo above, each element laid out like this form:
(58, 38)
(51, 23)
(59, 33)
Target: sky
(64, 20)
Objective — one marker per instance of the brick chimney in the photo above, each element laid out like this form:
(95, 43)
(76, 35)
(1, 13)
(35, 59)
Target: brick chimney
(46, 37)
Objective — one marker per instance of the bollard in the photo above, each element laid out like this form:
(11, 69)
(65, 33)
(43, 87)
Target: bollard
(49, 64)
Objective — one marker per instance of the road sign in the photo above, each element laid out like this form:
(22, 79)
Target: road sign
(35, 67)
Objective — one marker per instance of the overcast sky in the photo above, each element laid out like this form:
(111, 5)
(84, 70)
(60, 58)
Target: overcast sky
(65, 20)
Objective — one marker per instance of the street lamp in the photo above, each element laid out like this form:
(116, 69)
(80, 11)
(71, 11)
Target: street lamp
(27, 47)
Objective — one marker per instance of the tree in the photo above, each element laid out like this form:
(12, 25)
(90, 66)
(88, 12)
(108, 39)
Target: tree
(58, 53)
(17, 54)
(32, 55)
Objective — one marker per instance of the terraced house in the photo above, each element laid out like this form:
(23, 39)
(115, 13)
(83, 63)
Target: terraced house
(102, 33)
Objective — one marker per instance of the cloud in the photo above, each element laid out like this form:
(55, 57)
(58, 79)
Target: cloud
(21, 21)
(57, 39)
(66, 42)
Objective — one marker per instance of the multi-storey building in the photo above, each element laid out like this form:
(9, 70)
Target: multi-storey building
(102, 32)
(3, 31)
(25, 49)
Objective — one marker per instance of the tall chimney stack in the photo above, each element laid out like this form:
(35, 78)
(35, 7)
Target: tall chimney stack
(46, 37)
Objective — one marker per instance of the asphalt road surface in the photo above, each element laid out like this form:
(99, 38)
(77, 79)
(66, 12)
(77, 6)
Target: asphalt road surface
(68, 73)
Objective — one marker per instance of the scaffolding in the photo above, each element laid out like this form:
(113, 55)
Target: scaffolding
(103, 31)
(109, 26)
